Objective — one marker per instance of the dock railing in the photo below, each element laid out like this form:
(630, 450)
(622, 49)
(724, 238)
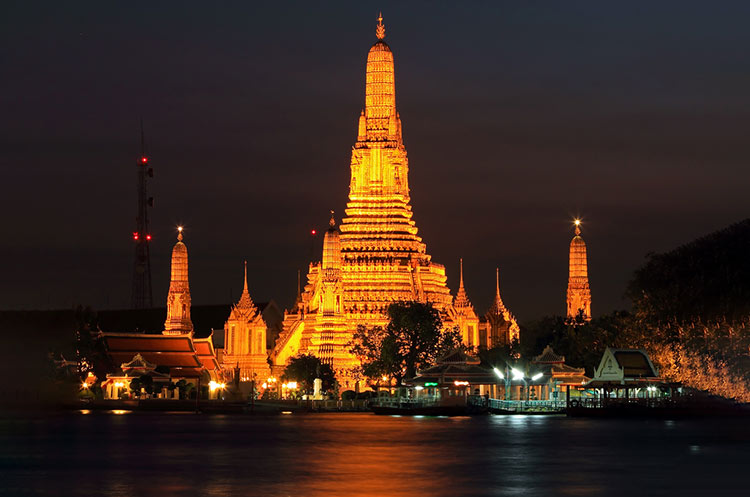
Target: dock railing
(527, 405)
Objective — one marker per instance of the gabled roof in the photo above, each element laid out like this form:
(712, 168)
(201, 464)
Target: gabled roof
(635, 363)
(457, 356)
(170, 351)
(623, 366)
(548, 356)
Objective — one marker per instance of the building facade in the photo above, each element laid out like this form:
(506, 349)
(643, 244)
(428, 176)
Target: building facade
(245, 339)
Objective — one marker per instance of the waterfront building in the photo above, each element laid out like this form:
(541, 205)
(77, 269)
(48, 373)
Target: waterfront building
(579, 293)
(245, 340)
(556, 376)
(375, 257)
(625, 372)
(453, 379)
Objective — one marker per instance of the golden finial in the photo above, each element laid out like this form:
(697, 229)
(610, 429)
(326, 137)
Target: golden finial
(577, 222)
(380, 30)
(332, 222)
(179, 233)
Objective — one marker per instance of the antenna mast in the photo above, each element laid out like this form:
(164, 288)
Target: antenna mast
(142, 297)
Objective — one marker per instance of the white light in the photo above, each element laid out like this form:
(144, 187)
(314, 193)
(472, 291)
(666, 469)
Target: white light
(517, 375)
(418, 388)
(499, 373)
(536, 376)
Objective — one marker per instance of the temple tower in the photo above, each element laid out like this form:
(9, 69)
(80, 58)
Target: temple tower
(462, 313)
(579, 293)
(502, 328)
(245, 339)
(384, 260)
(178, 300)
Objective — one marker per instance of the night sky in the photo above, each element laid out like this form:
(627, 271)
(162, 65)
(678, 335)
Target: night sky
(517, 117)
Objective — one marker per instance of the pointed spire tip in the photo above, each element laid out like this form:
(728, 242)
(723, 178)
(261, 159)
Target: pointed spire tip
(380, 29)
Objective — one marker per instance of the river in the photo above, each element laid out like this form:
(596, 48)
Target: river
(165, 454)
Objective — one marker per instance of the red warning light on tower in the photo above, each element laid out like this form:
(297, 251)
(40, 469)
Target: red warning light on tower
(148, 237)
(313, 232)
(135, 235)
(144, 160)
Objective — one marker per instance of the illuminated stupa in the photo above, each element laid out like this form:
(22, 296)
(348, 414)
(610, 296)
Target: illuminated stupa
(178, 300)
(579, 293)
(375, 257)
(384, 260)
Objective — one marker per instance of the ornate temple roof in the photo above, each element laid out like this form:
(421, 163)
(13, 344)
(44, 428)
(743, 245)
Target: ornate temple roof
(549, 356)
(497, 307)
(245, 305)
(461, 299)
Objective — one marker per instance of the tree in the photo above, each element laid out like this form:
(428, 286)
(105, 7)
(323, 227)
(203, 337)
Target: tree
(305, 368)
(413, 339)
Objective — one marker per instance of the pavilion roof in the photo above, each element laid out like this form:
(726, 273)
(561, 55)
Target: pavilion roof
(171, 351)
(548, 356)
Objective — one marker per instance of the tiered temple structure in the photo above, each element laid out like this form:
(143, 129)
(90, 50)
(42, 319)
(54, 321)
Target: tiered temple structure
(178, 300)
(245, 339)
(375, 257)
(462, 314)
(579, 293)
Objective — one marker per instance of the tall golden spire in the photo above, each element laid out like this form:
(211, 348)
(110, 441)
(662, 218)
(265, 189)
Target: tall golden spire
(497, 305)
(380, 29)
(462, 299)
(579, 292)
(178, 300)
(245, 303)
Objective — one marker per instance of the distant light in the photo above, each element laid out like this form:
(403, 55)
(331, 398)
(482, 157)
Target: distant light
(144, 160)
(498, 373)
(148, 237)
(179, 228)
(135, 235)
(459, 383)
(536, 376)
(418, 388)
(286, 412)
(313, 232)
(577, 222)
(517, 375)
(292, 385)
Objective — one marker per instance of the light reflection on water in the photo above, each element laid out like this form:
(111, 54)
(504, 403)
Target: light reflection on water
(151, 454)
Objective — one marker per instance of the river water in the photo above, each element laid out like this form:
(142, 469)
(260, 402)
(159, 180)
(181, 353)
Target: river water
(165, 454)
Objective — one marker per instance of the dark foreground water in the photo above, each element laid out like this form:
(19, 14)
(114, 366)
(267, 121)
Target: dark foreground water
(134, 454)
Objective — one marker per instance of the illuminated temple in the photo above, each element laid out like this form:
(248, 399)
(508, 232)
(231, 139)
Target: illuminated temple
(375, 256)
